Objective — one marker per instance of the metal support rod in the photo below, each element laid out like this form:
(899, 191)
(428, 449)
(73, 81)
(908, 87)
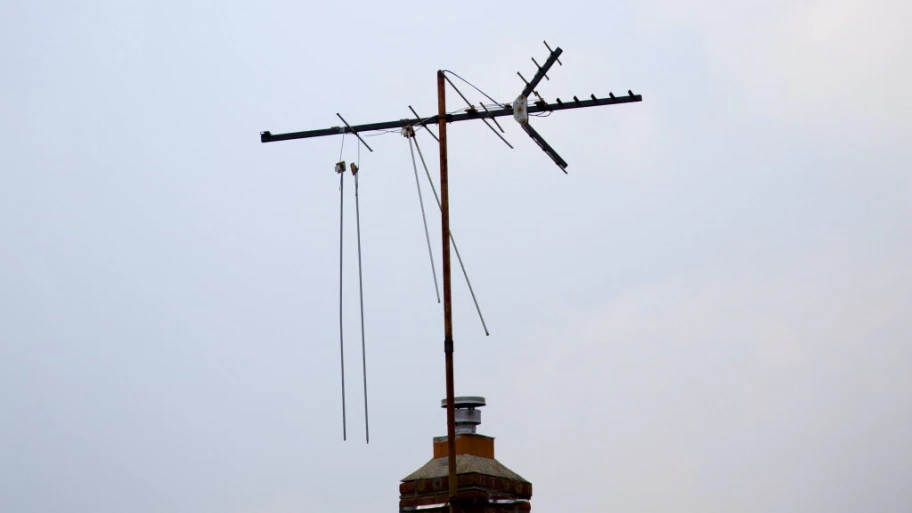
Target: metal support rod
(447, 297)
(352, 130)
(453, 241)
(367, 437)
(539, 67)
(450, 118)
(341, 345)
(552, 51)
(424, 124)
(472, 108)
(427, 236)
(492, 117)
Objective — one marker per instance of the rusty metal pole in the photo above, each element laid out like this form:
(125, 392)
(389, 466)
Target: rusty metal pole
(447, 298)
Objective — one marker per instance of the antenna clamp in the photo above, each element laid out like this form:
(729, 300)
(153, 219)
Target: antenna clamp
(520, 110)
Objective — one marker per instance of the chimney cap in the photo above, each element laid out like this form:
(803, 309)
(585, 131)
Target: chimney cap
(466, 401)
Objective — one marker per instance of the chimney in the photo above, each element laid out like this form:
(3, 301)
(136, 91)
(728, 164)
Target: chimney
(484, 484)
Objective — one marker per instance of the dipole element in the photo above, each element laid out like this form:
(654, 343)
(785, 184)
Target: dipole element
(447, 296)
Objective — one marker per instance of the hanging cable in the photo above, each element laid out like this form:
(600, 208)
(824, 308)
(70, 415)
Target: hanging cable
(340, 168)
(411, 135)
(455, 248)
(355, 169)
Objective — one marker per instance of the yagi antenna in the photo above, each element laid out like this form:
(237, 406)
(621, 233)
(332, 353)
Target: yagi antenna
(521, 109)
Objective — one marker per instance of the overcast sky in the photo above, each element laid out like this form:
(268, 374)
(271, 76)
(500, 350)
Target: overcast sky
(710, 313)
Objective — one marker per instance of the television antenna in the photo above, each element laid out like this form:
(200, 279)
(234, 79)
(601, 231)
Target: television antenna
(521, 109)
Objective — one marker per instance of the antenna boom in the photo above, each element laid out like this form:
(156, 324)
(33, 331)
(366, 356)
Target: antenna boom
(267, 137)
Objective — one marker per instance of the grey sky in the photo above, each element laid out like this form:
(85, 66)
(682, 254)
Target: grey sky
(709, 313)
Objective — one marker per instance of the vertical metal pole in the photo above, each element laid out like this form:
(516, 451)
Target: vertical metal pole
(341, 345)
(447, 298)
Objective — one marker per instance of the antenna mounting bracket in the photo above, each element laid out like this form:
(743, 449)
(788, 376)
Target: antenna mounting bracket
(520, 112)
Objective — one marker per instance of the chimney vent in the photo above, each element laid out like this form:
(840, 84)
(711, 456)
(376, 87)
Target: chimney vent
(467, 417)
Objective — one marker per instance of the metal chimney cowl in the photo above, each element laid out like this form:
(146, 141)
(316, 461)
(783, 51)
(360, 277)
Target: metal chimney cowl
(467, 417)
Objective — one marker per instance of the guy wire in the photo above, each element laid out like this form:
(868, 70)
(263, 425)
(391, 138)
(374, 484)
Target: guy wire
(453, 239)
(427, 235)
